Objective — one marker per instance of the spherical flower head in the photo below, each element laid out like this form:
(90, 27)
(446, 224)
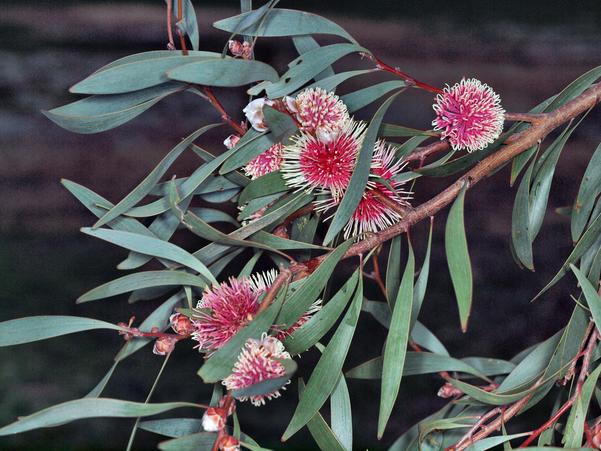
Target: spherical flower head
(311, 164)
(254, 113)
(469, 115)
(181, 324)
(375, 210)
(321, 112)
(257, 363)
(213, 419)
(225, 309)
(164, 345)
(231, 141)
(269, 161)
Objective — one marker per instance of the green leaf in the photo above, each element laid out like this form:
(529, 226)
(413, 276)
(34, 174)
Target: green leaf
(331, 83)
(172, 427)
(135, 75)
(416, 363)
(223, 72)
(419, 291)
(586, 241)
(306, 66)
(360, 176)
(306, 43)
(139, 280)
(393, 270)
(396, 345)
(35, 328)
(361, 98)
(458, 258)
(394, 130)
(593, 300)
(247, 150)
(100, 113)
(193, 442)
(89, 408)
(189, 24)
(220, 364)
(341, 419)
(283, 22)
(326, 374)
(575, 424)
(321, 322)
(520, 224)
(152, 246)
(263, 186)
(100, 386)
(575, 88)
(281, 125)
(590, 188)
(140, 191)
(519, 162)
(491, 442)
(300, 301)
(541, 185)
(319, 429)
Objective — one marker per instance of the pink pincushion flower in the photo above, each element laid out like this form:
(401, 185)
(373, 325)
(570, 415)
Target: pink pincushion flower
(311, 164)
(320, 112)
(469, 115)
(226, 308)
(257, 363)
(269, 161)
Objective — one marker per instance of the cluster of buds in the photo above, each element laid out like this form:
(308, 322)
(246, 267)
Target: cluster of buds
(215, 419)
(239, 49)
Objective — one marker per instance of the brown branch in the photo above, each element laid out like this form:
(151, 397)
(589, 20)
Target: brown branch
(484, 168)
(421, 153)
(524, 117)
(239, 128)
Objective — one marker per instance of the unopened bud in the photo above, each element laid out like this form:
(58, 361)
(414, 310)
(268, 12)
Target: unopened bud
(213, 419)
(449, 391)
(164, 345)
(181, 324)
(229, 443)
(231, 141)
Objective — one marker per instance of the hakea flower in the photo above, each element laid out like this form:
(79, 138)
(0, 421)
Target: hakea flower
(311, 164)
(469, 115)
(269, 161)
(225, 309)
(254, 113)
(257, 363)
(320, 112)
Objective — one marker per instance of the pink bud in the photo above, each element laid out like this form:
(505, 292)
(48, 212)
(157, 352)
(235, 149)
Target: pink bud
(181, 324)
(213, 419)
(164, 345)
(449, 391)
(229, 443)
(231, 141)
(235, 47)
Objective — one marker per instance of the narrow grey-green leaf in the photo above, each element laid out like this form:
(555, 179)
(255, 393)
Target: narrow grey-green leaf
(100, 386)
(99, 113)
(281, 125)
(223, 72)
(321, 322)
(393, 270)
(341, 416)
(590, 188)
(135, 75)
(172, 427)
(360, 176)
(89, 408)
(268, 184)
(306, 43)
(283, 22)
(140, 191)
(419, 291)
(189, 23)
(396, 344)
(458, 258)
(491, 442)
(194, 442)
(34, 328)
(520, 224)
(593, 300)
(361, 98)
(574, 428)
(139, 280)
(327, 371)
(331, 83)
(152, 246)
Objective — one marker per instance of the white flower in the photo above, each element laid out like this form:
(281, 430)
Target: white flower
(254, 113)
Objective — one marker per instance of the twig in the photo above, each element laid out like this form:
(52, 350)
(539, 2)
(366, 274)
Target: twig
(180, 15)
(421, 153)
(524, 117)
(239, 128)
(405, 76)
(378, 277)
(171, 43)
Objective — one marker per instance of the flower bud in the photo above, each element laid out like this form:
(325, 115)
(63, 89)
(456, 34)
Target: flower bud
(231, 141)
(213, 419)
(164, 345)
(254, 113)
(229, 443)
(181, 324)
(449, 391)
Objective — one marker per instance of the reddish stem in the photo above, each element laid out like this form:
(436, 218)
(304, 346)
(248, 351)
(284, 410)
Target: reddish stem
(171, 44)
(405, 76)
(239, 128)
(378, 276)
(180, 15)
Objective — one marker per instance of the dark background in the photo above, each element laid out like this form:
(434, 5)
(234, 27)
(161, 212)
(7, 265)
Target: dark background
(526, 50)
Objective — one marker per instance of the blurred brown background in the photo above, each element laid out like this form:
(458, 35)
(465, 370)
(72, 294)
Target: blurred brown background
(526, 50)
